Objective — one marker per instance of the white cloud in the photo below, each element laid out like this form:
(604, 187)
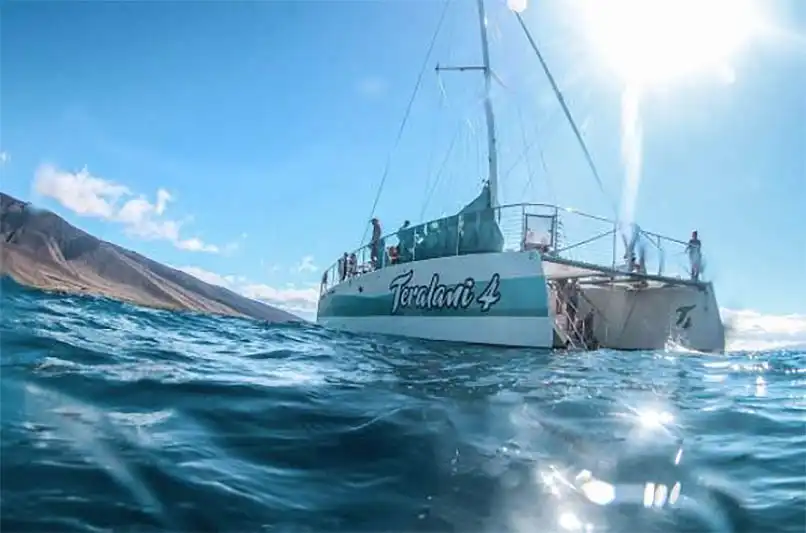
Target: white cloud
(298, 300)
(4, 157)
(751, 330)
(79, 192)
(306, 265)
(163, 197)
(197, 245)
(91, 196)
(208, 277)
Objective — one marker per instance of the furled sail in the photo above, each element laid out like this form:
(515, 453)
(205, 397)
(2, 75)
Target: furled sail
(473, 230)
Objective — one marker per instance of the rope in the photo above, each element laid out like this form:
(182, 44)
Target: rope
(433, 187)
(565, 109)
(531, 172)
(406, 116)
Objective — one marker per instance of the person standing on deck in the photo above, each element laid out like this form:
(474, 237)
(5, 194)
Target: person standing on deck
(694, 255)
(343, 266)
(375, 244)
(352, 266)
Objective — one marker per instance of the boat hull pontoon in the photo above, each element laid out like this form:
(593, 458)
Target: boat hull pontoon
(633, 311)
(493, 298)
(515, 297)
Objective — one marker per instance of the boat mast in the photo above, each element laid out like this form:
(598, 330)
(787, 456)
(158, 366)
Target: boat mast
(492, 153)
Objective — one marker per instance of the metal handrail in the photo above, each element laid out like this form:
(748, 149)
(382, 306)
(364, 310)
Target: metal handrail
(586, 241)
(513, 222)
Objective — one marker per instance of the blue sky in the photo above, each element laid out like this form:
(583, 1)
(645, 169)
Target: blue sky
(266, 127)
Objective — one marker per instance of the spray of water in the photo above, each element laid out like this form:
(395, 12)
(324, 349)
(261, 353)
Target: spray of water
(631, 150)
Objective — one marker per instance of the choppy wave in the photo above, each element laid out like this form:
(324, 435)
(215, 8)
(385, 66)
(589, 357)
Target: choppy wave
(121, 418)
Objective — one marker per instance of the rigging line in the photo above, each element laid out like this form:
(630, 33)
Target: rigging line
(567, 112)
(406, 114)
(441, 169)
(544, 126)
(532, 144)
(444, 103)
(529, 172)
(449, 176)
(433, 152)
(431, 185)
(527, 146)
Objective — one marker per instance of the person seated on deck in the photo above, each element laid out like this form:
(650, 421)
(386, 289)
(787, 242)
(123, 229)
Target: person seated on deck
(693, 248)
(394, 257)
(531, 242)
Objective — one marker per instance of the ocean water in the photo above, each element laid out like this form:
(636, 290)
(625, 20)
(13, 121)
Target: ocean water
(117, 418)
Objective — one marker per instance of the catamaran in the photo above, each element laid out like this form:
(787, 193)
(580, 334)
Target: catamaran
(508, 275)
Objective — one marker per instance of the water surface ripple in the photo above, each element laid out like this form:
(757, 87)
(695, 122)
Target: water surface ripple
(119, 418)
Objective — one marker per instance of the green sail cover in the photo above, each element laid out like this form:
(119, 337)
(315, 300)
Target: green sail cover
(473, 230)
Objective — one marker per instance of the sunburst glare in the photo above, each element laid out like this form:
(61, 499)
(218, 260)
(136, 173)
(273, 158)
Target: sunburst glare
(653, 419)
(655, 41)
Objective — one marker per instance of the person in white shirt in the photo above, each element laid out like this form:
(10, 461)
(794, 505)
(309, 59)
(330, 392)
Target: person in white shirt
(694, 251)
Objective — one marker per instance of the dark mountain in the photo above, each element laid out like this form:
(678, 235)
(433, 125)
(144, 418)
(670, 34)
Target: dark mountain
(40, 249)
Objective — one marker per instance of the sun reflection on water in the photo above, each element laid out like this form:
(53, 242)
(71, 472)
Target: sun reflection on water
(650, 418)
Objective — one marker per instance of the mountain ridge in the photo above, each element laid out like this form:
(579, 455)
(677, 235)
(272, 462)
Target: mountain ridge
(38, 248)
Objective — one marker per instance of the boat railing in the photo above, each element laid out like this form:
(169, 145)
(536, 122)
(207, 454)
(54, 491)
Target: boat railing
(552, 230)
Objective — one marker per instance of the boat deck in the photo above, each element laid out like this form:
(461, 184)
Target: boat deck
(574, 245)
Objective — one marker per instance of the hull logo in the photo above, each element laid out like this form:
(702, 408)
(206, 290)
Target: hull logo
(438, 296)
(683, 318)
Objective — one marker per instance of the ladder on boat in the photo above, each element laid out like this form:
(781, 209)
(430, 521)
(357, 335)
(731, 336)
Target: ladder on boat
(567, 333)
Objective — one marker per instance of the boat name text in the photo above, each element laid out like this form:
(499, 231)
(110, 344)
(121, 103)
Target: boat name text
(438, 296)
